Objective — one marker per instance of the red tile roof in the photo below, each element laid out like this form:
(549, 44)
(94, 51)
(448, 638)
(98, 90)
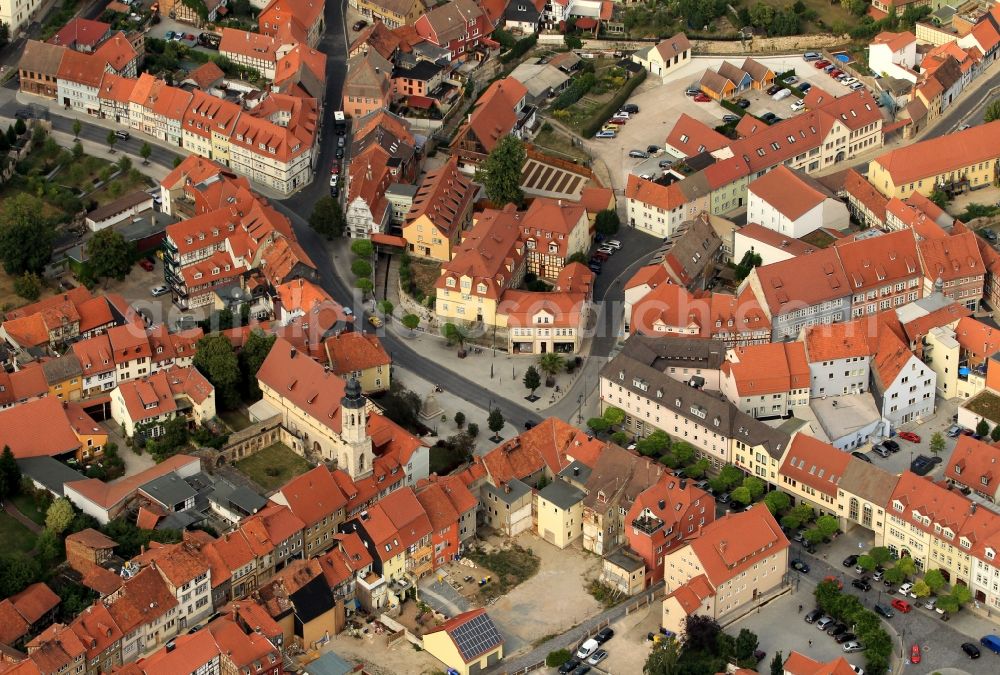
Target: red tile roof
(304, 383)
(96, 629)
(973, 461)
(875, 262)
(13, 627)
(951, 258)
(814, 463)
(80, 32)
(931, 157)
(894, 41)
(736, 542)
(804, 280)
(35, 601)
(762, 369)
(691, 594)
(790, 192)
(37, 428)
(313, 496)
(108, 495)
(144, 598)
(977, 339)
(550, 444)
(829, 342)
(351, 351)
(444, 197)
(493, 116)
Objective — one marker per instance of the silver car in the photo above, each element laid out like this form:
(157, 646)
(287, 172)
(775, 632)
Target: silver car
(824, 623)
(853, 646)
(598, 656)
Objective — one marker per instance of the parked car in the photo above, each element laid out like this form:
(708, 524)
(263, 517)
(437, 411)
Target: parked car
(702, 98)
(915, 653)
(845, 637)
(652, 149)
(630, 108)
(893, 446)
(600, 256)
(805, 87)
(909, 436)
(881, 450)
(334, 178)
(604, 635)
(587, 648)
(598, 656)
(798, 105)
(742, 102)
(782, 94)
(822, 63)
(692, 91)
(930, 603)
(829, 68)
(856, 86)
(991, 642)
(123, 135)
(921, 465)
(862, 584)
(824, 623)
(582, 669)
(169, 35)
(835, 73)
(375, 321)
(157, 291)
(146, 264)
(605, 133)
(769, 117)
(800, 566)
(862, 456)
(617, 121)
(730, 119)
(878, 575)
(791, 79)
(340, 153)
(723, 498)
(853, 646)
(568, 667)
(954, 431)
(836, 629)
(811, 56)
(905, 588)
(884, 611)
(615, 244)
(774, 89)
(812, 616)
(594, 266)
(971, 650)
(901, 605)
(638, 154)
(620, 115)
(358, 25)
(849, 80)
(850, 561)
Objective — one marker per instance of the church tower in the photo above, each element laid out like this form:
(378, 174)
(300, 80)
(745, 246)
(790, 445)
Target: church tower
(357, 457)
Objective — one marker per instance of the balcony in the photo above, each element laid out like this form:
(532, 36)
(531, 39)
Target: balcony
(647, 524)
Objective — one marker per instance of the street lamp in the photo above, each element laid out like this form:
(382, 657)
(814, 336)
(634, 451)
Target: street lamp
(579, 408)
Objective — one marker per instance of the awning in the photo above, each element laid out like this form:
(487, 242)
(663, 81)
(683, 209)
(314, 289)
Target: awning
(388, 240)
(586, 23)
(420, 102)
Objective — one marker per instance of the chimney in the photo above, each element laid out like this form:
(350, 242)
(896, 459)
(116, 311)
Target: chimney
(576, 471)
(684, 483)
(662, 504)
(293, 352)
(170, 646)
(506, 488)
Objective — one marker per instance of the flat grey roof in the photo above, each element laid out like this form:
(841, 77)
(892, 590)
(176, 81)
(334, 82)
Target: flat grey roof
(169, 490)
(562, 494)
(49, 472)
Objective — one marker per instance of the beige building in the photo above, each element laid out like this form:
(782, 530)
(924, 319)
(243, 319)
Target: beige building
(735, 562)
(862, 493)
(559, 513)
(468, 643)
(624, 571)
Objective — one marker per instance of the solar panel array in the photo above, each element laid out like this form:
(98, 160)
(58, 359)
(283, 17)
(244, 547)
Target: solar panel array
(476, 637)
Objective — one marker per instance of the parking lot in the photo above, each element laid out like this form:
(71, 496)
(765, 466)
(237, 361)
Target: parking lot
(940, 421)
(661, 104)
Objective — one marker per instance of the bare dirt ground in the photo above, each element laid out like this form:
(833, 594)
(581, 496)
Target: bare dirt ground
(400, 659)
(552, 601)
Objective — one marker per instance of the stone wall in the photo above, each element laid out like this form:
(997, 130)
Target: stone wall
(256, 437)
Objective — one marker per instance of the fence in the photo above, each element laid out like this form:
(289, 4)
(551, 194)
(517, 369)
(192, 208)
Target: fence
(644, 601)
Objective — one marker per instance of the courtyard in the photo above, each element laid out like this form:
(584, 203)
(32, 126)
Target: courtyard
(273, 466)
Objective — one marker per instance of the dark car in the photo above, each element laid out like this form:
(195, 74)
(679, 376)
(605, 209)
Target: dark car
(970, 649)
(24, 114)
(630, 108)
(768, 117)
(921, 465)
(845, 637)
(800, 566)
(358, 25)
(594, 266)
(334, 191)
(774, 89)
(583, 669)
(990, 236)
(836, 629)
(884, 611)
(862, 456)
(862, 584)
(568, 667)
(529, 425)
(850, 561)
(723, 498)
(893, 446)
(743, 103)
(812, 616)
(805, 87)
(730, 119)
(340, 153)
(604, 635)
(652, 149)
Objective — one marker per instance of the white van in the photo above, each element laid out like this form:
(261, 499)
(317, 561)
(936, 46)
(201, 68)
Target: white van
(587, 648)
(782, 95)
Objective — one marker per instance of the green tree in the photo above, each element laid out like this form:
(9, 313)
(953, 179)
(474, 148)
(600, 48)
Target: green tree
(109, 254)
(937, 443)
(77, 151)
(620, 438)
(578, 257)
(251, 358)
(654, 445)
(551, 364)
(698, 469)
(894, 575)
(363, 248)
(814, 535)
(386, 307)
(177, 161)
(746, 644)
(48, 547)
(607, 222)
(762, 15)
(4, 144)
(939, 197)
(532, 380)
(992, 112)
(59, 516)
(10, 474)
(934, 580)
(111, 139)
(881, 555)
(557, 658)
(866, 563)
(731, 476)
(663, 659)
(460, 419)
(827, 525)
(598, 425)
(327, 218)
(749, 261)
(215, 359)
(798, 516)
(25, 237)
(361, 268)
(455, 335)
(76, 128)
(983, 428)
(11, 135)
(365, 285)
(572, 41)
(778, 664)
(145, 151)
(614, 416)
(948, 603)
(20, 127)
(855, 7)
(740, 495)
(411, 321)
(755, 486)
(124, 164)
(495, 422)
(472, 430)
(29, 286)
(921, 589)
(18, 572)
(500, 172)
(995, 434)
(906, 566)
(961, 593)
(777, 501)
(682, 451)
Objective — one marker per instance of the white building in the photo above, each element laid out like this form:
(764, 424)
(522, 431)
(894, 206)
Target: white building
(894, 55)
(839, 358)
(793, 204)
(17, 14)
(904, 385)
(665, 57)
(768, 380)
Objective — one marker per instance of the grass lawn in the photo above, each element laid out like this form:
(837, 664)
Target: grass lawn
(26, 505)
(510, 567)
(550, 139)
(827, 13)
(16, 537)
(121, 186)
(236, 419)
(987, 404)
(273, 466)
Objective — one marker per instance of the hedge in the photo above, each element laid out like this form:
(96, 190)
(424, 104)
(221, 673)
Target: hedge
(574, 92)
(519, 48)
(612, 106)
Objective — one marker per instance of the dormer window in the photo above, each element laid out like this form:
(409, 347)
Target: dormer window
(450, 282)
(481, 289)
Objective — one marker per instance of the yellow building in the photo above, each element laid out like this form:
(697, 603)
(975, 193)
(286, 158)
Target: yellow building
(862, 493)
(624, 571)
(559, 513)
(468, 643)
(393, 13)
(441, 211)
(64, 376)
(958, 162)
(811, 471)
(361, 356)
(742, 556)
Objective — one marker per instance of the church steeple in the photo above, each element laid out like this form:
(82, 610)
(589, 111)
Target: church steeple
(357, 457)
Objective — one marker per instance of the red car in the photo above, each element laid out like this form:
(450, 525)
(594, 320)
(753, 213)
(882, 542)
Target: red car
(618, 121)
(702, 98)
(909, 436)
(335, 168)
(146, 264)
(915, 653)
(901, 605)
(836, 73)
(819, 65)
